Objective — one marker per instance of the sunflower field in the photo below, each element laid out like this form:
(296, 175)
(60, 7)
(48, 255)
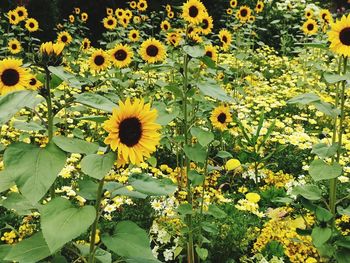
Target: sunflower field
(182, 131)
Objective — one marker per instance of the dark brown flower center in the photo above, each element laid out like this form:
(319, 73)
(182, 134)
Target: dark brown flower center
(142, 5)
(120, 55)
(166, 27)
(99, 60)
(152, 50)
(134, 35)
(222, 118)
(10, 77)
(224, 39)
(14, 46)
(310, 27)
(205, 23)
(86, 45)
(31, 25)
(244, 12)
(130, 131)
(13, 17)
(32, 82)
(20, 13)
(110, 22)
(193, 11)
(209, 54)
(64, 39)
(344, 36)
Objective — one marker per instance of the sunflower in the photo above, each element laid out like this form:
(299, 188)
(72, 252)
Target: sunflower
(173, 38)
(326, 16)
(71, 19)
(34, 83)
(193, 11)
(121, 55)
(109, 11)
(99, 60)
(49, 48)
(85, 44)
(221, 117)
(13, 17)
(243, 13)
(110, 22)
(64, 37)
(132, 131)
(21, 12)
(310, 27)
(168, 8)
(142, 5)
(309, 13)
(137, 19)
(134, 35)
(165, 25)
(84, 17)
(229, 11)
(339, 36)
(32, 25)
(211, 51)
(124, 21)
(233, 3)
(259, 6)
(133, 4)
(171, 14)
(77, 10)
(119, 12)
(14, 46)
(225, 37)
(128, 14)
(12, 75)
(251, 19)
(152, 51)
(207, 25)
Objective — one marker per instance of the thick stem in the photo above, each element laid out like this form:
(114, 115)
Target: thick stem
(94, 226)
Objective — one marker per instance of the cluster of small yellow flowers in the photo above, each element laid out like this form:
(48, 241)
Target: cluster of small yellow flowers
(25, 229)
(343, 224)
(250, 204)
(278, 179)
(282, 228)
(9, 237)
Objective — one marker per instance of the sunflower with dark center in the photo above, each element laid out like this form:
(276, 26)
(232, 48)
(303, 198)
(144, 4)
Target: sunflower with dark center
(221, 117)
(207, 25)
(142, 5)
(165, 25)
(34, 84)
(13, 17)
(211, 51)
(225, 37)
(85, 44)
(339, 36)
(119, 12)
(110, 22)
(77, 10)
(193, 11)
(21, 12)
(121, 55)
(84, 17)
(133, 4)
(308, 13)
(14, 46)
(259, 6)
(171, 14)
(173, 38)
(64, 37)
(32, 25)
(99, 60)
(152, 51)
(132, 131)
(244, 13)
(233, 3)
(326, 16)
(13, 76)
(310, 27)
(71, 19)
(134, 35)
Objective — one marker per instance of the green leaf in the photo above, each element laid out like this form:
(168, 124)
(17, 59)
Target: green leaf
(130, 241)
(323, 150)
(209, 62)
(34, 169)
(320, 235)
(326, 108)
(88, 189)
(6, 181)
(98, 119)
(202, 252)
(344, 211)
(19, 203)
(150, 186)
(304, 99)
(216, 212)
(224, 154)
(323, 214)
(73, 145)
(319, 170)
(61, 222)
(97, 165)
(334, 78)
(152, 161)
(95, 101)
(12, 102)
(165, 116)
(29, 250)
(203, 137)
(308, 191)
(212, 89)
(124, 191)
(184, 209)
(65, 76)
(195, 51)
(31, 126)
(343, 256)
(196, 153)
(209, 227)
(195, 178)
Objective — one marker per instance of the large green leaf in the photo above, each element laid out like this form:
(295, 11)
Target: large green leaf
(308, 191)
(65, 76)
(304, 99)
(61, 222)
(95, 101)
(203, 137)
(151, 186)
(34, 169)
(19, 203)
(130, 241)
(196, 153)
(97, 165)
(29, 250)
(212, 89)
(73, 145)
(12, 102)
(320, 235)
(319, 170)
(6, 181)
(323, 150)
(194, 51)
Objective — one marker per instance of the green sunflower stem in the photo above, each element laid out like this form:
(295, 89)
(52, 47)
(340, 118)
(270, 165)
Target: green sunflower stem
(95, 224)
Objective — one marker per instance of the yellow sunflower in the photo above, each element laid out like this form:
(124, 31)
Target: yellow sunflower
(34, 83)
(32, 25)
(99, 60)
(168, 8)
(309, 13)
(259, 6)
(84, 17)
(132, 131)
(193, 11)
(171, 14)
(13, 17)
(244, 13)
(137, 19)
(85, 44)
(109, 11)
(339, 36)
(233, 3)
(207, 25)
(12, 75)
(128, 14)
(119, 12)
(229, 11)
(142, 5)
(64, 37)
(221, 117)
(77, 10)
(121, 55)
(152, 51)
(173, 38)
(134, 35)
(21, 12)
(211, 51)
(49, 48)
(110, 22)
(225, 37)
(124, 21)
(165, 25)
(133, 4)
(14, 46)
(310, 27)
(71, 19)
(326, 16)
